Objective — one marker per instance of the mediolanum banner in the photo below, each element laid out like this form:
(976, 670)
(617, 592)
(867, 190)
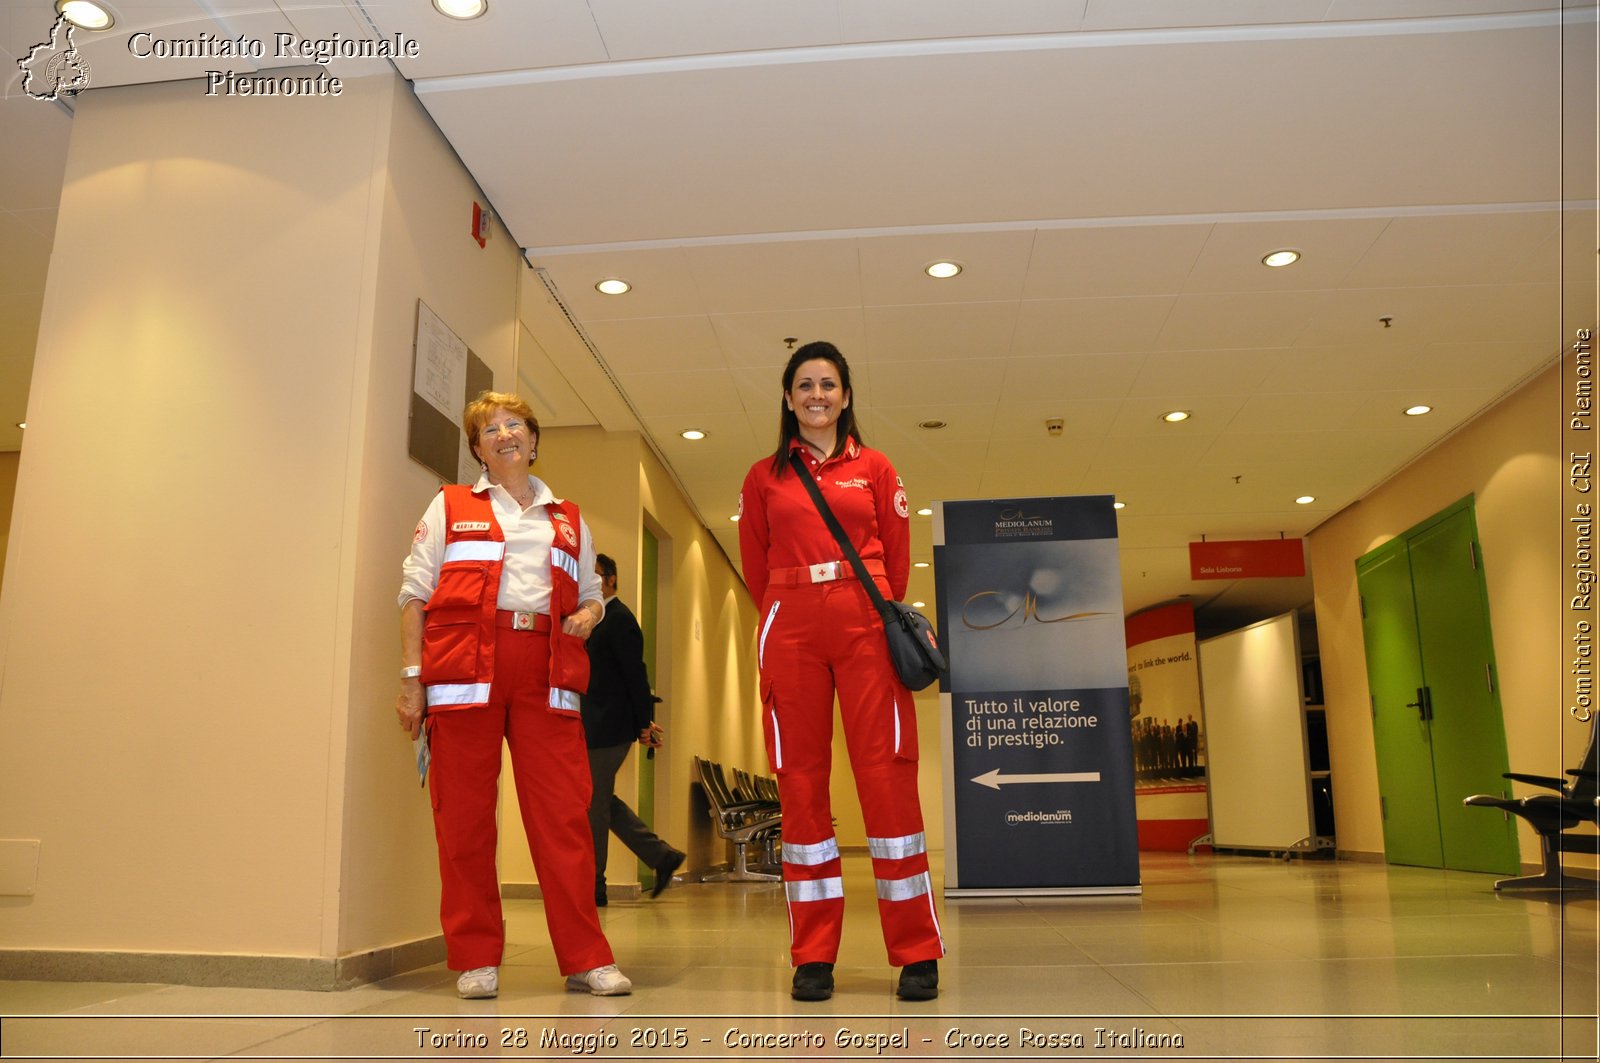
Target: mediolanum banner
(1037, 745)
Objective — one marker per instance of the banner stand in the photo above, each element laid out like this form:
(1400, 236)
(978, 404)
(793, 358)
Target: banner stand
(1037, 746)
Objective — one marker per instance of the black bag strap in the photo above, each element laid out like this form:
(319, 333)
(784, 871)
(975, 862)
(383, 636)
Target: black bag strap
(832, 522)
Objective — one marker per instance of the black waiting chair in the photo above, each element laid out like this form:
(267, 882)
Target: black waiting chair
(741, 821)
(1574, 802)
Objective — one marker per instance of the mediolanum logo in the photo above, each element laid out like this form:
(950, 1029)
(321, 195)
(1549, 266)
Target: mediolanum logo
(55, 68)
(1016, 523)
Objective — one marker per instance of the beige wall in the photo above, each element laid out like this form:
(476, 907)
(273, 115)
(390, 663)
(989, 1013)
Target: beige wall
(9, 461)
(1509, 460)
(199, 688)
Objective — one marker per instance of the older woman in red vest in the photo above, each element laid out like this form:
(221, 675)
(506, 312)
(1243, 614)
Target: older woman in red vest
(497, 596)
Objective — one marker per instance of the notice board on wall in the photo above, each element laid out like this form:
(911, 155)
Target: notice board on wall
(445, 376)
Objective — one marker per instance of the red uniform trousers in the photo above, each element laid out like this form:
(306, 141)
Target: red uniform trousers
(550, 764)
(815, 639)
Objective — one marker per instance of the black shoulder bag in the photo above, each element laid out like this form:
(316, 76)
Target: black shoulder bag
(913, 646)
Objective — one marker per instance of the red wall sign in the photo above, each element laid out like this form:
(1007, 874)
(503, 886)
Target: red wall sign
(1247, 559)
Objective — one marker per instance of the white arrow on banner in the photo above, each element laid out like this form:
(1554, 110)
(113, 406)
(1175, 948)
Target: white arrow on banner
(994, 780)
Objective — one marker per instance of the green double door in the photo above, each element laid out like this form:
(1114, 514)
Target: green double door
(1436, 715)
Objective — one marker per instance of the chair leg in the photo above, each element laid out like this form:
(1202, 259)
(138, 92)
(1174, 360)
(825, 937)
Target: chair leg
(1552, 877)
(741, 867)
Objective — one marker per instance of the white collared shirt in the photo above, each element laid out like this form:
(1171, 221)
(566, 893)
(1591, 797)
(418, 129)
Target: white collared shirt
(525, 577)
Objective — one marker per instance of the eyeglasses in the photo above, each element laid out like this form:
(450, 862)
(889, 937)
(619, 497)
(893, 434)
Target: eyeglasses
(509, 428)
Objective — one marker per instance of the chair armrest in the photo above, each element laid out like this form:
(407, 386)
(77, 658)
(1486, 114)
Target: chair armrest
(1536, 780)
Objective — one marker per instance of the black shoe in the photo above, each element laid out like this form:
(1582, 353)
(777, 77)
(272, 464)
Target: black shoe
(600, 895)
(919, 981)
(664, 872)
(813, 981)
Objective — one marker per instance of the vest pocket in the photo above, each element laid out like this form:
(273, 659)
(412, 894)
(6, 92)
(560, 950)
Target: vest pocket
(451, 633)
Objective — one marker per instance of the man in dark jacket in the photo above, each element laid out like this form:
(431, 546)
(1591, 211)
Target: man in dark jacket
(618, 711)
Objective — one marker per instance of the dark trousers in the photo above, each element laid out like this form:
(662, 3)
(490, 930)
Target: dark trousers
(609, 813)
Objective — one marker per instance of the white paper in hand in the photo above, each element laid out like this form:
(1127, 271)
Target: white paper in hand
(420, 744)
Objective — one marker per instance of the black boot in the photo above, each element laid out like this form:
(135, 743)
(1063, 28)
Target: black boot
(919, 981)
(813, 981)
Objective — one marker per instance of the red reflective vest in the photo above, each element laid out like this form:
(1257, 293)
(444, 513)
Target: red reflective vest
(459, 626)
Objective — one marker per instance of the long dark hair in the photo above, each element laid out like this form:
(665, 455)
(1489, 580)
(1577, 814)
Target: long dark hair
(789, 424)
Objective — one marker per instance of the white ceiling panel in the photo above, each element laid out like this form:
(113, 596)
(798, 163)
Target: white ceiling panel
(1231, 258)
(993, 267)
(1519, 313)
(648, 29)
(661, 283)
(1160, 14)
(758, 340)
(893, 20)
(683, 394)
(742, 278)
(1120, 260)
(1462, 249)
(1238, 320)
(1053, 327)
(973, 331)
(651, 344)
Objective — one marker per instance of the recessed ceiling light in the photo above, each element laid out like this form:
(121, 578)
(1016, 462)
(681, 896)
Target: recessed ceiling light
(461, 9)
(931, 426)
(919, 605)
(919, 564)
(1174, 416)
(1119, 505)
(1305, 500)
(943, 270)
(692, 433)
(734, 518)
(1281, 257)
(613, 286)
(22, 424)
(924, 512)
(1418, 410)
(85, 15)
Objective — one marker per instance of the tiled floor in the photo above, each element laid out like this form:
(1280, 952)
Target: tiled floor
(1224, 958)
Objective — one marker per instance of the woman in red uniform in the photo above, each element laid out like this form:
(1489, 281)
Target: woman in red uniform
(496, 598)
(820, 635)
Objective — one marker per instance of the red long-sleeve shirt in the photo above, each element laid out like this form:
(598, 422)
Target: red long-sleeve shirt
(779, 526)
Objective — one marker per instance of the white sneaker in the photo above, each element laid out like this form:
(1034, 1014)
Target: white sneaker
(479, 983)
(604, 981)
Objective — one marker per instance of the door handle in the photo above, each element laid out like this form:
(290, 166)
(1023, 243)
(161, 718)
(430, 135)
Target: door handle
(1423, 704)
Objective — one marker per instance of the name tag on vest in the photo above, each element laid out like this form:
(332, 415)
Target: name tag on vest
(470, 526)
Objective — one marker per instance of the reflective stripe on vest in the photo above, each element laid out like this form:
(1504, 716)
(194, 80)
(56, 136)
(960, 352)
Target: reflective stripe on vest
(568, 563)
(564, 700)
(458, 694)
(473, 550)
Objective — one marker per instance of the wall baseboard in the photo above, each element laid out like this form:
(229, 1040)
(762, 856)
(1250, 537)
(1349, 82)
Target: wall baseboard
(323, 974)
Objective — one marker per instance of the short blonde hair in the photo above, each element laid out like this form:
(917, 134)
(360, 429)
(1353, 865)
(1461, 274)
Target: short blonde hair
(481, 409)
